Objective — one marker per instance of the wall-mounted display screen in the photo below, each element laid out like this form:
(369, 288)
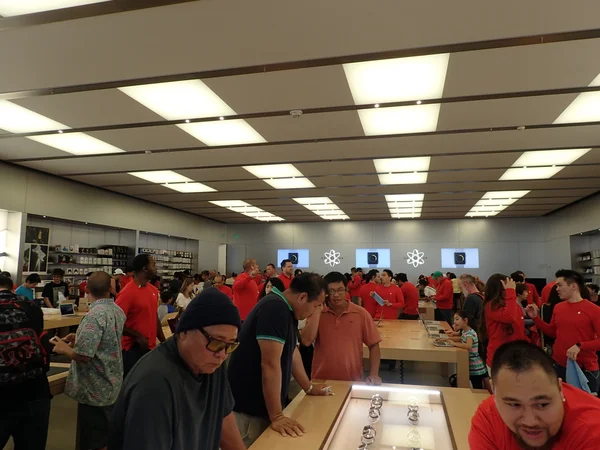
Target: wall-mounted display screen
(460, 258)
(373, 258)
(298, 256)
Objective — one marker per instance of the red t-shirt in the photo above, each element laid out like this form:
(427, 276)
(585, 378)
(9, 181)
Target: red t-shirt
(140, 305)
(533, 296)
(245, 294)
(546, 292)
(445, 293)
(125, 280)
(82, 286)
(574, 323)
(392, 294)
(504, 324)
(285, 280)
(369, 302)
(355, 285)
(226, 290)
(411, 298)
(580, 428)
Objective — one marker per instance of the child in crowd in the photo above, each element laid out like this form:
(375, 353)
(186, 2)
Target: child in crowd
(165, 306)
(465, 324)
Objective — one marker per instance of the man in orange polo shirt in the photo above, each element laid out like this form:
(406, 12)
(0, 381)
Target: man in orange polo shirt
(287, 273)
(339, 331)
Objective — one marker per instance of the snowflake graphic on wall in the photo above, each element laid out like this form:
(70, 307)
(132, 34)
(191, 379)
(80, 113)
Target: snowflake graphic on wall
(332, 257)
(415, 258)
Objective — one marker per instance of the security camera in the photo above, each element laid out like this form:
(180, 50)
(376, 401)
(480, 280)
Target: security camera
(295, 113)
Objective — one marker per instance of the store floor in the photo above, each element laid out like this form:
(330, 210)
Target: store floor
(61, 435)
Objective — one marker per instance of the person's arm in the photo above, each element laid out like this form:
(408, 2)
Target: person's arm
(46, 294)
(468, 345)
(299, 374)
(593, 344)
(374, 363)
(309, 333)
(546, 328)
(241, 281)
(503, 315)
(230, 435)
(270, 365)
(149, 415)
(66, 292)
(159, 331)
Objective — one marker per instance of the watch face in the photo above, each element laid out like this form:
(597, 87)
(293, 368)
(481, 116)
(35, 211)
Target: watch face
(293, 257)
(373, 257)
(460, 258)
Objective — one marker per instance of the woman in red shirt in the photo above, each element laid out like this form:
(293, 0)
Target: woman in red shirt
(502, 317)
(371, 283)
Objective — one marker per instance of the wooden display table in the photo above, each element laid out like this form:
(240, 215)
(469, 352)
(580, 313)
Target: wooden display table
(427, 310)
(407, 340)
(52, 321)
(319, 416)
(57, 380)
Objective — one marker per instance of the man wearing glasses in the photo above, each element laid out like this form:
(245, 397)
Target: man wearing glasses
(339, 331)
(177, 396)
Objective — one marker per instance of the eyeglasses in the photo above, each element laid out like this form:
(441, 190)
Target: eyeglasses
(217, 345)
(333, 292)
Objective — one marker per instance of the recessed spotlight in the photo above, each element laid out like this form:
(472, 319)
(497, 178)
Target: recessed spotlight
(520, 128)
(187, 120)
(44, 217)
(419, 102)
(376, 105)
(553, 165)
(221, 118)
(86, 223)
(524, 167)
(60, 131)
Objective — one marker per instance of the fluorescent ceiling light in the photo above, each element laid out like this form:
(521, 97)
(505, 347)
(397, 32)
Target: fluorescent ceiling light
(399, 120)
(194, 99)
(274, 171)
(324, 207)
(9, 8)
(530, 173)
(585, 107)
(395, 165)
(405, 210)
(16, 119)
(313, 200)
(406, 215)
(223, 132)
(335, 217)
(290, 183)
(187, 188)
(76, 143)
(494, 202)
(403, 178)
(161, 176)
(404, 197)
(550, 157)
(179, 99)
(399, 79)
(247, 210)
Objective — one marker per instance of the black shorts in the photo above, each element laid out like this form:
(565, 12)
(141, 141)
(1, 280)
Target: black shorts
(477, 381)
(93, 426)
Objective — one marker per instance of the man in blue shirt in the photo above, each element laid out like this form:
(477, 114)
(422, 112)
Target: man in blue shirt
(27, 289)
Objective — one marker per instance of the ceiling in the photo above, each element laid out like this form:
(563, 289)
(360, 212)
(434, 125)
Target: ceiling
(265, 60)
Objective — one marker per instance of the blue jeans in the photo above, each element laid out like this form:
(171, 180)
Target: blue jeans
(592, 377)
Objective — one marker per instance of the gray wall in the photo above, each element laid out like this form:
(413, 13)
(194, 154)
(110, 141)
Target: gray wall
(504, 244)
(34, 192)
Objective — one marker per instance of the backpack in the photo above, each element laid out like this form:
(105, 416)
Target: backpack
(22, 355)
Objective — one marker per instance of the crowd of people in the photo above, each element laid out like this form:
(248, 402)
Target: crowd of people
(133, 393)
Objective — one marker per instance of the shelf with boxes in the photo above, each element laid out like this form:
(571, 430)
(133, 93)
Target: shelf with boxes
(169, 261)
(122, 256)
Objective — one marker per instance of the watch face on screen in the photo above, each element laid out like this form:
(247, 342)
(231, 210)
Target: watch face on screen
(460, 258)
(293, 257)
(373, 257)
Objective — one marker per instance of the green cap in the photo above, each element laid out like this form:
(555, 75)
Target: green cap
(437, 274)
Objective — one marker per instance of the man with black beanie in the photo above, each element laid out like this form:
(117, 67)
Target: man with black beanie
(177, 396)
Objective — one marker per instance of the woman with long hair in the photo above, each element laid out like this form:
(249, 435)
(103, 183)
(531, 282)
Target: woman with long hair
(271, 283)
(371, 281)
(185, 295)
(503, 319)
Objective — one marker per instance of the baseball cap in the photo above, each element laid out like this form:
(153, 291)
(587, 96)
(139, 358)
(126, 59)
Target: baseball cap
(437, 274)
(119, 272)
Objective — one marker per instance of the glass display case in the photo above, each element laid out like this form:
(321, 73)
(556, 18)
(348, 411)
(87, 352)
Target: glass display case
(392, 418)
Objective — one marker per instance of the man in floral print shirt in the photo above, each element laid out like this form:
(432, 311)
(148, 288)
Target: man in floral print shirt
(96, 373)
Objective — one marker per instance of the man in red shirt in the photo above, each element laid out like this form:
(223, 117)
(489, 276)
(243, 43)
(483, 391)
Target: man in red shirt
(287, 273)
(411, 298)
(575, 324)
(220, 285)
(444, 298)
(245, 290)
(546, 292)
(533, 296)
(125, 279)
(391, 295)
(370, 284)
(139, 301)
(339, 331)
(531, 408)
(271, 271)
(355, 285)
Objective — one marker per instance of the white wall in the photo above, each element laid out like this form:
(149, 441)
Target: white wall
(504, 245)
(37, 193)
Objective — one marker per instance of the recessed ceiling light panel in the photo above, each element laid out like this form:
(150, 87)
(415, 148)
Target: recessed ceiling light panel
(188, 188)
(9, 8)
(530, 173)
(76, 143)
(399, 119)
(397, 165)
(161, 176)
(274, 171)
